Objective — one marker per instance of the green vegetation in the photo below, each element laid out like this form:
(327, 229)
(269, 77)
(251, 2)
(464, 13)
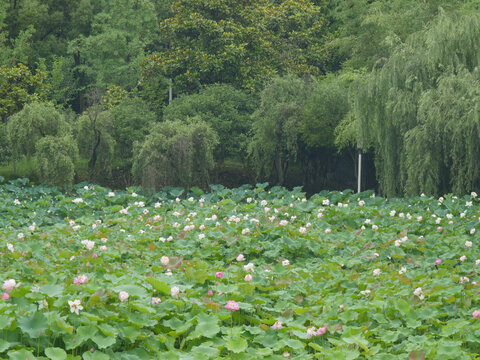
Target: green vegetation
(164, 98)
(176, 152)
(244, 273)
(291, 89)
(276, 126)
(420, 111)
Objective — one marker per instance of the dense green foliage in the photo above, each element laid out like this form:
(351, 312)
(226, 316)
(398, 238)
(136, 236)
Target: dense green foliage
(240, 43)
(55, 158)
(19, 86)
(421, 111)
(242, 273)
(227, 111)
(276, 126)
(166, 97)
(176, 153)
(395, 78)
(96, 143)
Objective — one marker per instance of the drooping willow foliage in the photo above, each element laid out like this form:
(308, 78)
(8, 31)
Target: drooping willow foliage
(176, 153)
(276, 125)
(420, 111)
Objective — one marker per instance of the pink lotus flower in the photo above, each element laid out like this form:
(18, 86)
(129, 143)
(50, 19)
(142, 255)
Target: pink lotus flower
(8, 285)
(156, 301)
(322, 330)
(277, 325)
(232, 305)
(248, 277)
(438, 262)
(219, 274)
(476, 314)
(95, 255)
(5, 296)
(82, 279)
(210, 293)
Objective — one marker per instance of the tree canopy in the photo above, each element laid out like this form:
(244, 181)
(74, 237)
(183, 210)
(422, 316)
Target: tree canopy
(225, 109)
(419, 110)
(19, 86)
(276, 126)
(287, 91)
(176, 153)
(240, 43)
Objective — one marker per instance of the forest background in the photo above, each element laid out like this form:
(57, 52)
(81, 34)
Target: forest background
(194, 92)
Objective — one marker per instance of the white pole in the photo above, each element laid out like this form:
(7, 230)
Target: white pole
(359, 180)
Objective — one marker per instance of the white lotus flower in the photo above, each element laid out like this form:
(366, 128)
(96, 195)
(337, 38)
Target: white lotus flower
(75, 306)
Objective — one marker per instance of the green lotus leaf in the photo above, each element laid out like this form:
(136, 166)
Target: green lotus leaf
(237, 344)
(5, 321)
(4, 345)
(34, 325)
(207, 326)
(95, 355)
(21, 355)
(103, 341)
(55, 353)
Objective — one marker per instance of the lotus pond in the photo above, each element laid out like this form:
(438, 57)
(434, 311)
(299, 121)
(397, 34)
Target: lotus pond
(245, 273)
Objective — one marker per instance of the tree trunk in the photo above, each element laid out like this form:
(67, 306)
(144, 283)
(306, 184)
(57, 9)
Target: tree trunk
(218, 170)
(93, 159)
(279, 167)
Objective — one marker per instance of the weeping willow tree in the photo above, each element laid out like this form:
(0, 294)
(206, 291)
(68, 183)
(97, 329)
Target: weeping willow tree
(56, 158)
(420, 112)
(276, 127)
(448, 136)
(178, 153)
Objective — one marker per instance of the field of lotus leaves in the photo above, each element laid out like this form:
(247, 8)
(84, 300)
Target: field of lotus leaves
(246, 273)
